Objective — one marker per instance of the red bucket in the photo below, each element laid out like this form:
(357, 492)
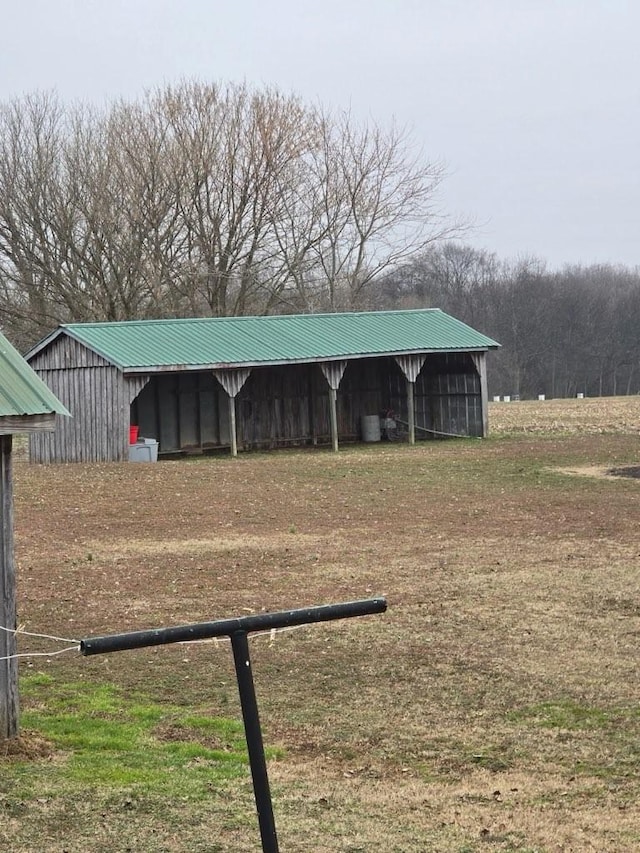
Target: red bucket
(133, 434)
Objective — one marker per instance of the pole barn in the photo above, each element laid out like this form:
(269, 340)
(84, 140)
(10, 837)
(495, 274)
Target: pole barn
(239, 383)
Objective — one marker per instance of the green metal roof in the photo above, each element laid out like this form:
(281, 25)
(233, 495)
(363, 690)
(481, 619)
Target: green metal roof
(22, 392)
(235, 341)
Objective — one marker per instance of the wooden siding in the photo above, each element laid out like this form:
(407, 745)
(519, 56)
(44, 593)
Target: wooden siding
(64, 353)
(283, 405)
(98, 396)
(10, 424)
(98, 399)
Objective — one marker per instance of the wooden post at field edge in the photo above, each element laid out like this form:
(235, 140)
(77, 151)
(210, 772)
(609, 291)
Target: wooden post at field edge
(9, 705)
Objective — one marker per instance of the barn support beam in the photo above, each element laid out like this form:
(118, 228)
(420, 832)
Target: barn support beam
(333, 372)
(412, 412)
(9, 705)
(233, 434)
(411, 365)
(232, 380)
(333, 414)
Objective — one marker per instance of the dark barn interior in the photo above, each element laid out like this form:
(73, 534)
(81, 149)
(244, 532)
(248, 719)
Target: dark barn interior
(284, 405)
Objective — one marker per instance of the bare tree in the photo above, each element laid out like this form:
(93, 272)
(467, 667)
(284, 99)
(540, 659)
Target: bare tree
(374, 205)
(29, 155)
(79, 213)
(233, 148)
(201, 199)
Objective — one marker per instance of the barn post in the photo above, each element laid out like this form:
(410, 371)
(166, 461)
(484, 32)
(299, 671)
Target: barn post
(9, 705)
(411, 365)
(333, 372)
(333, 414)
(232, 380)
(412, 413)
(232, 425)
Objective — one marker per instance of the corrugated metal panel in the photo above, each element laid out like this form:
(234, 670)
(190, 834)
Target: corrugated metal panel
(225, 341)
(22, 392)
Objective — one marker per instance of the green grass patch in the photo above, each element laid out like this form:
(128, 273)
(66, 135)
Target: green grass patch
(588, 740)
(564, 714)
(108, 740)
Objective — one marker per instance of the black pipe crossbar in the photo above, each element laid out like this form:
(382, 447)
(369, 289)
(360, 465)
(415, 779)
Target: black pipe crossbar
(228, 627)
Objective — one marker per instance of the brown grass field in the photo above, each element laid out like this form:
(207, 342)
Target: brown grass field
(494, 707)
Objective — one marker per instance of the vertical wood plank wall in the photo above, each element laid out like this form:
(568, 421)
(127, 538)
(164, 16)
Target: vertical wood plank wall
(448, 397)
(96, 394)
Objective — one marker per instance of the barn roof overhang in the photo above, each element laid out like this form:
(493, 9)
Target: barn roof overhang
(9, 425)
(26, 403)
(193, 368)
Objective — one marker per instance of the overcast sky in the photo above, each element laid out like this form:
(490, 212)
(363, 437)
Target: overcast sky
(532, 104)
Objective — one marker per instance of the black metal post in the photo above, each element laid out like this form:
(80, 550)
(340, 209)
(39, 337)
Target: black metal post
(255, 746)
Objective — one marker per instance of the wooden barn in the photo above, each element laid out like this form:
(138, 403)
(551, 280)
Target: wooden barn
(26, 405)
(197, 385)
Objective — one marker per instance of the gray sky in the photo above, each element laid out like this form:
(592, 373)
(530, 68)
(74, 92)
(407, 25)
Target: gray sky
(532, 104)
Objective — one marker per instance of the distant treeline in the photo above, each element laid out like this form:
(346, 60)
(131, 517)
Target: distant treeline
(562, 332)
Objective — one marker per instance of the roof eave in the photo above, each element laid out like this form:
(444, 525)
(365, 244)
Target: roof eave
(176, 368)
(11, 424)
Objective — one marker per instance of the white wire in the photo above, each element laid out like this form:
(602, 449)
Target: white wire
(43, 636)
(271, 633)
(75, 648)
(435, 431)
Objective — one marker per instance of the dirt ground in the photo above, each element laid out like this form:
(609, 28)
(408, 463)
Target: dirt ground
(493, 707)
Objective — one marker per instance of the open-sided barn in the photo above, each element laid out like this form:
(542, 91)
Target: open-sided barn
(256, 382)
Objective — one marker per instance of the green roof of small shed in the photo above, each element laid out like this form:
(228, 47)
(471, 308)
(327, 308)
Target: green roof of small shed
(22, 392)
(235, 341)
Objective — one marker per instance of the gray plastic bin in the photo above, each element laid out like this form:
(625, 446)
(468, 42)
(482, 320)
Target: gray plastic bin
(144, 450)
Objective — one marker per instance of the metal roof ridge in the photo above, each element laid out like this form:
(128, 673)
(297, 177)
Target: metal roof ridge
(245, 317)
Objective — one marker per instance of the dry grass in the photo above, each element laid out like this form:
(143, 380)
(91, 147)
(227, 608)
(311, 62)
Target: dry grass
(493, 708)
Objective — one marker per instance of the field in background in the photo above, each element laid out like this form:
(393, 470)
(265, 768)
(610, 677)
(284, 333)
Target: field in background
(493, 708)
(588, 416)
